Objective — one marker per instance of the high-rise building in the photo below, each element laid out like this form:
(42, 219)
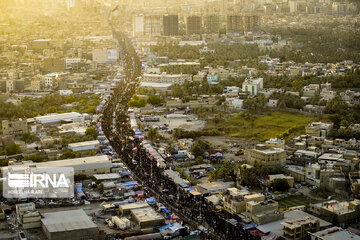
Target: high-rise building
(10, 85)
(234, 24)
(193, 25)
(146, 25)
(152, 25)
(53, 65)
(171, 25)
(211, 23)
(251, 22)
(138, 25)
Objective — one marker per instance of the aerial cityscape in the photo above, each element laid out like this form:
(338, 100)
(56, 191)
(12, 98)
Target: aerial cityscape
(167, 119)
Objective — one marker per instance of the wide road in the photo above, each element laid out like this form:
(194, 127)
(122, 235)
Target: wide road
(115, 123)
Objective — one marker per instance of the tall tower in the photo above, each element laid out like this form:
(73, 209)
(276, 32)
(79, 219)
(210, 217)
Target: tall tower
(170, 25)
(193, 25)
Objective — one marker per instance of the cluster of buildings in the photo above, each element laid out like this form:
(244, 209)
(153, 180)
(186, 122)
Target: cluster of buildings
(49, 132)
(329, 164)
(146, 25)
(277, 68)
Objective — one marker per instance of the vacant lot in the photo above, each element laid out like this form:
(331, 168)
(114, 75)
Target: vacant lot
(274, 124)
(292, 201)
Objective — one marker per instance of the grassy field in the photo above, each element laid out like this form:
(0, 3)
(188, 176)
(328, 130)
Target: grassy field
(292, 201)
(274, 124)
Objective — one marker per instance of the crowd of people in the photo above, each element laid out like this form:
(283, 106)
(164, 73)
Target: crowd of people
(190, 209)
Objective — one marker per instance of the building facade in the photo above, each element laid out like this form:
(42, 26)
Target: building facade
(193, 25)
(14, 127)
(170, 25)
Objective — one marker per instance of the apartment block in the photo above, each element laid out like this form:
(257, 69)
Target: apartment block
(14, 127)
(265, 156)
(298, 229)
(170, 25)
(193, 25)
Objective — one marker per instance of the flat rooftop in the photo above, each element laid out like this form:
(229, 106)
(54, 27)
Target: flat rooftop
(331, 156)
(146, 214)
(336, 233)
(67, 221)
(296, 223)
(57, 117)
(276, 227)
(77, 163)
(280, 176)
(213, 186)
(175, 176)
(155, 84)
(82, 144)
(106, 176)
(249, 197)
(134, 205)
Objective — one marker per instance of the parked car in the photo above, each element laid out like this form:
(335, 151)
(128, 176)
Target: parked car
(22, 235)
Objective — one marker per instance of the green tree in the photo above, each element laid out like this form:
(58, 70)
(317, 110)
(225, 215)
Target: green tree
(12, 149)
(91, 131)
(29, 138)
(280, 185)
(137, 102)
(170, 147)
(255, 105)
(226, 172)
(68, 154)
(336, 106)
(153, 134)
(199, 148)
(154, 100)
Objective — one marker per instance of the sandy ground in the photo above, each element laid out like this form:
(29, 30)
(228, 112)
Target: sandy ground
(180, 123)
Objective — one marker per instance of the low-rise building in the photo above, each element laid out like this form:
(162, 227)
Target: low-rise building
(252, 86)
(126, 208)
(167, 78)
(85, 165)
(147, 217)
(28, 216)
(298, 229)
(233, 200)
(84, 146)
(340, 213)
(266, 156)
(275, 228)
(275, 143)
(53, 119)
(14, 127)
(262, 212)
(71, 225)
(333, 234)
(319, 129)
(304, 157)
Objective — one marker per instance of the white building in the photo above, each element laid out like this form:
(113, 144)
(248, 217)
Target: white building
(84, 146)
(58, 118)
(167, 78)
(147, 25)
(70, 61)
(65, 92)
(85, 165)
(103, 56)
(236, 103)
(138, 25)
(49, 80)
(252, 85)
